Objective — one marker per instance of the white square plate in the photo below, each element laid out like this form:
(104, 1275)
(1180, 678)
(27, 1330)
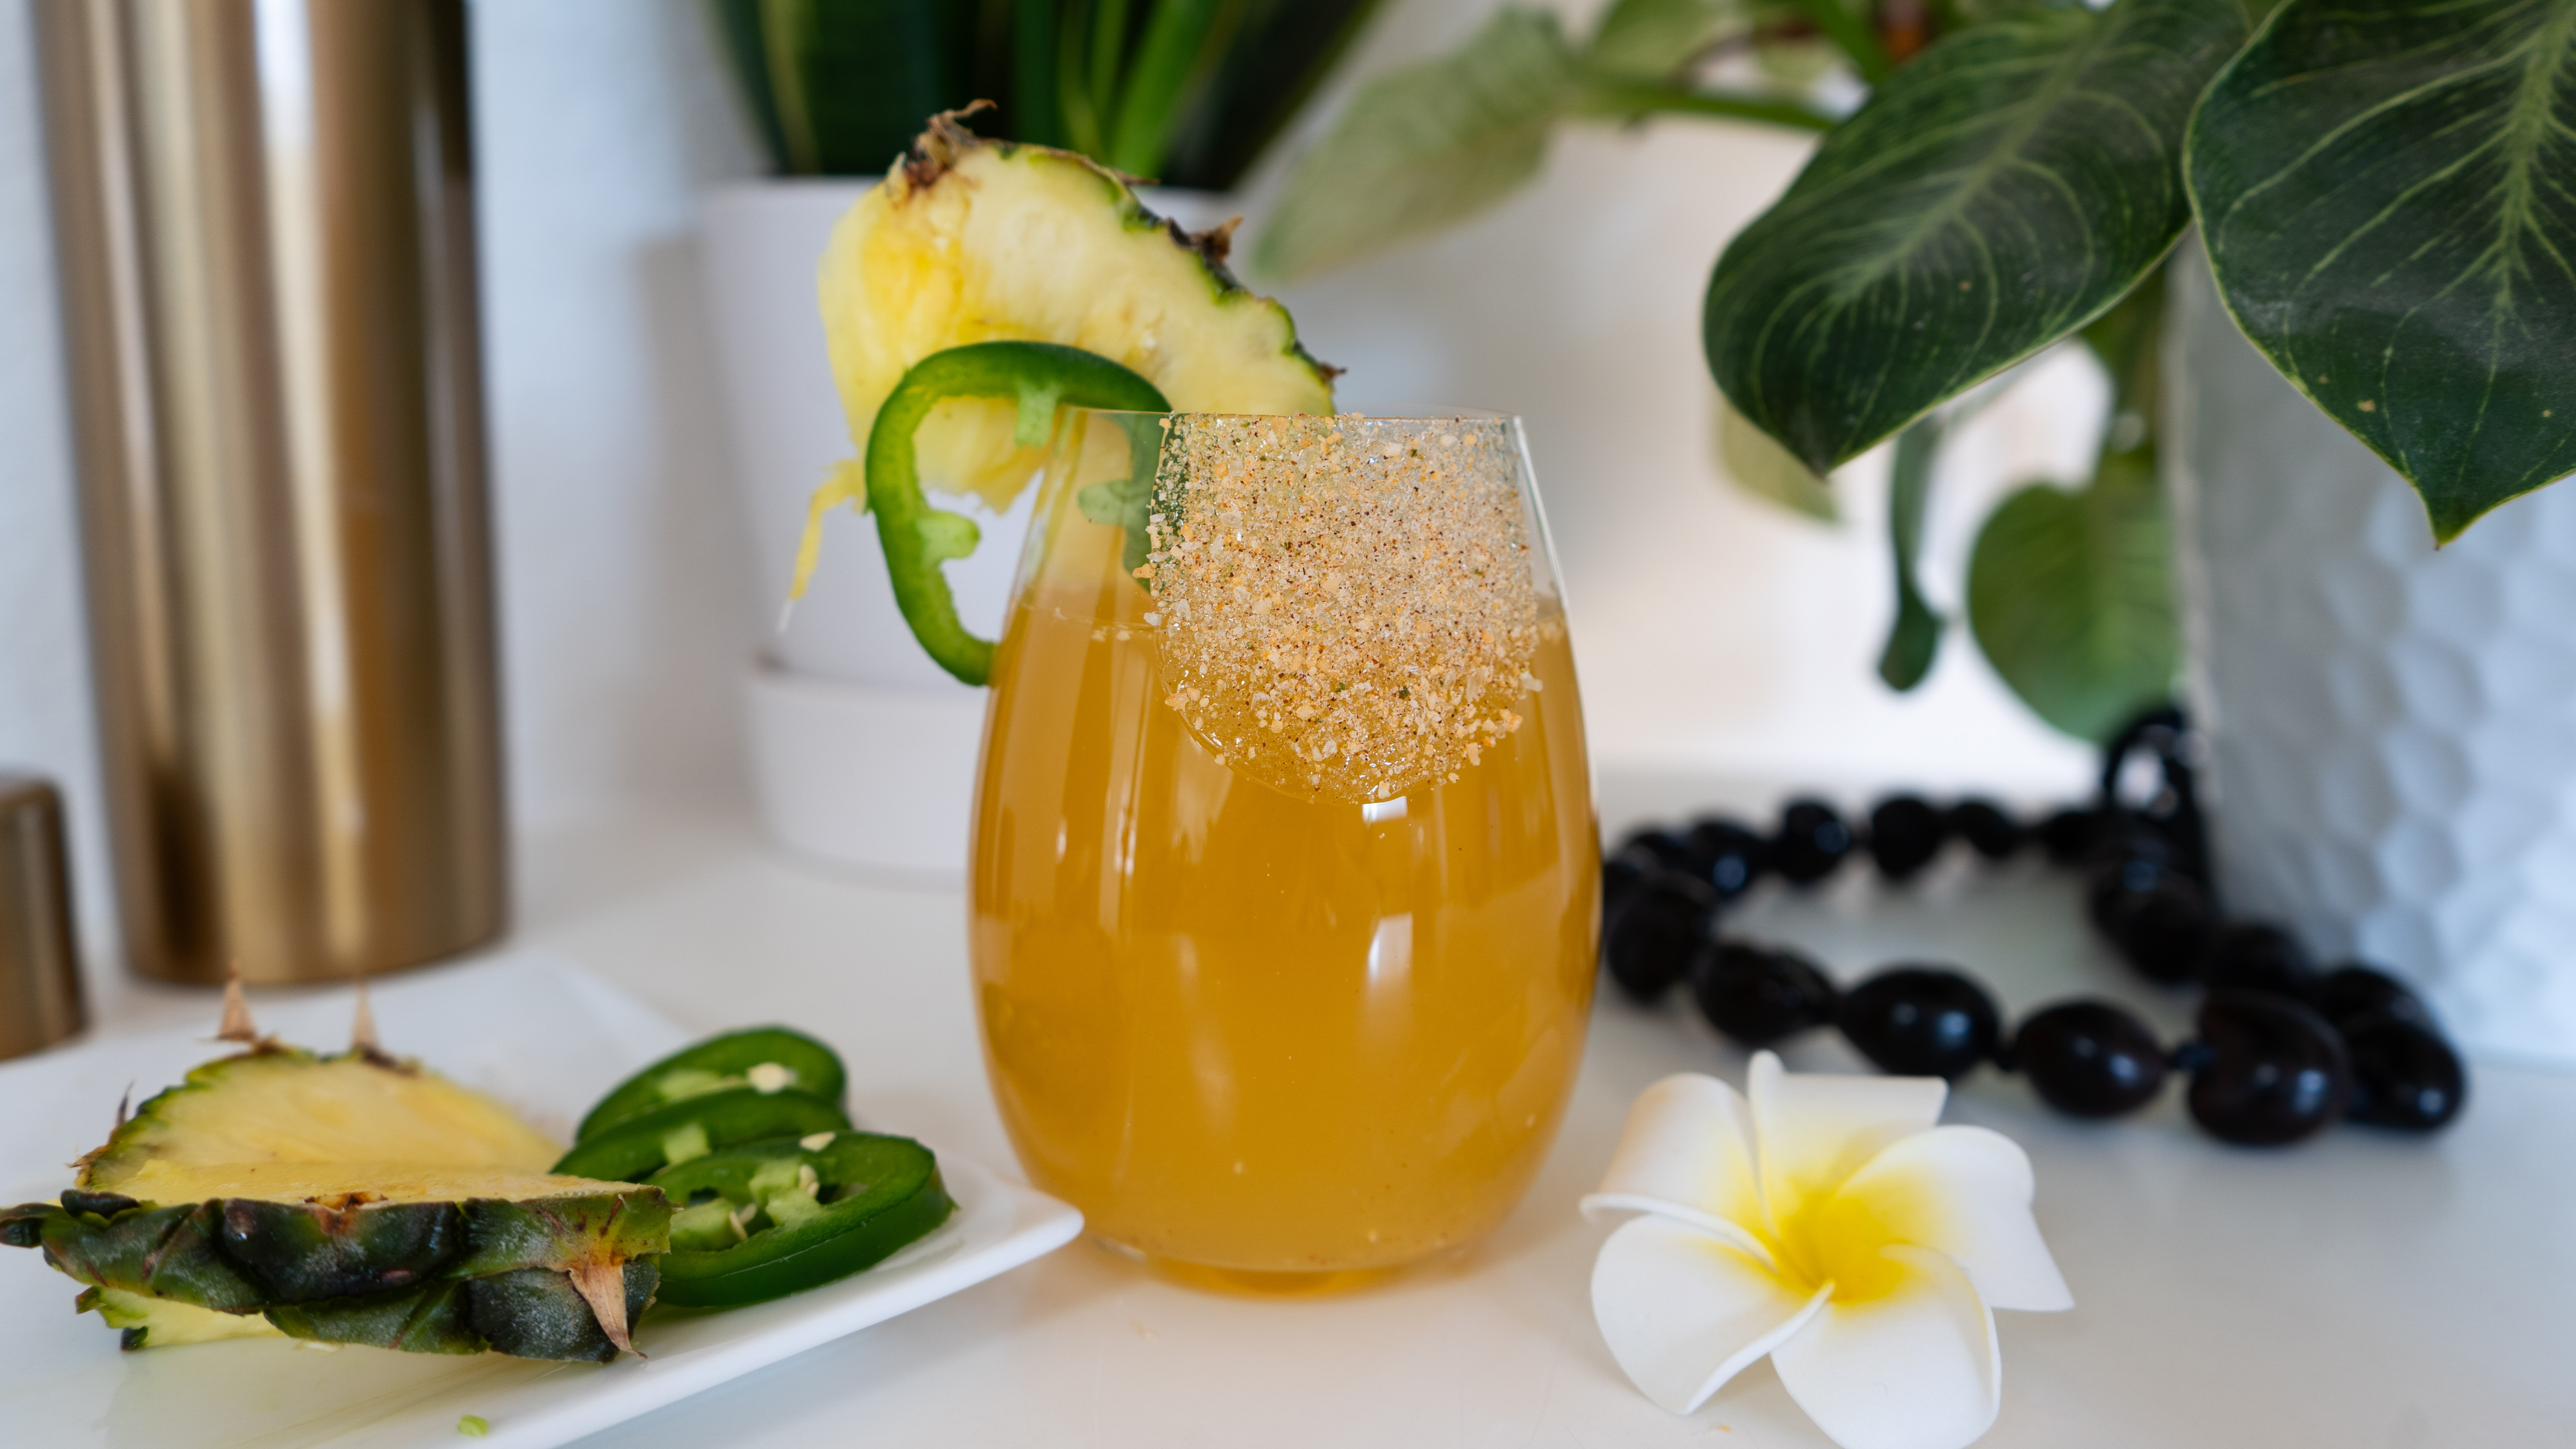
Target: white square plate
(536, 1033)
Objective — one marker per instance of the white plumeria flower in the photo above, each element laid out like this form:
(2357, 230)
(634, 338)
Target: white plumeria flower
(1829, 1224)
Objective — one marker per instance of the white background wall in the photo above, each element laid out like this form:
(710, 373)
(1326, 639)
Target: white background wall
(1715, 632)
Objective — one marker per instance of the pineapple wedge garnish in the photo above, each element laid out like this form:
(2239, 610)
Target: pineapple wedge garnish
(348, 1199)
(979, 241)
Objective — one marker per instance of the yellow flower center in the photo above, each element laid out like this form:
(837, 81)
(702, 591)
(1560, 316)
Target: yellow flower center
(1835, 1237)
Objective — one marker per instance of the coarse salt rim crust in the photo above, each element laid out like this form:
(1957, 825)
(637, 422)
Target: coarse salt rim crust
(1346, 606)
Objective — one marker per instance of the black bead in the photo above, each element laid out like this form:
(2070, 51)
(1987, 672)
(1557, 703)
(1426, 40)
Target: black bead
(2090, 1059)
(1904, 834)
(2067, 836)
(1758, 995)
(2354, 990)
(1812, 841)
(1666, 847)
(1726, 855)
(1623, 871)
(2161, 928)
(2403, 1075)
(1987, 829)
(2162, 737)
(2251, 956)
(1648, 944)
(2275, 1072)
(2114, 884)
(1920, 1021)
(2119, 835)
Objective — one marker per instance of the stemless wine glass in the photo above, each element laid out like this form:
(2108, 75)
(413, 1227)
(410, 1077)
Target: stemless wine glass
(1285, 880)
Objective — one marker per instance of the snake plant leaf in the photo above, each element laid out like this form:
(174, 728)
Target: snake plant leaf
(1994, 195)
(2388, 194)
(2070, 599)
(1423, 147)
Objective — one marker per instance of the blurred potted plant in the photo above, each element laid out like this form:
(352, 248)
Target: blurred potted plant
(2380, 299)
(863, 751)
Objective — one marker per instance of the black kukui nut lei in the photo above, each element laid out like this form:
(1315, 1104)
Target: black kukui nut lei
(2282, 1051)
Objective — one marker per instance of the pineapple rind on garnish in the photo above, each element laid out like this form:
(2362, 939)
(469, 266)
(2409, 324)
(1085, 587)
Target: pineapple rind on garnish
(348, 1199)
(972, 240)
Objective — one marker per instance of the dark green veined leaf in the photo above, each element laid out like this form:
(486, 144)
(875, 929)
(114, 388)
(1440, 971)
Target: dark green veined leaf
(2070, 598)
(2388, 194)
(2008, 184)
(1914, 640)
(1760, 466)
(1423, 147)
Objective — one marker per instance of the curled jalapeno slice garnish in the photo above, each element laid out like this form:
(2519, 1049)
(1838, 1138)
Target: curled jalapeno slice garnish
(692, 1127)
(766, 1058)
(763, 1220)
(917, 538)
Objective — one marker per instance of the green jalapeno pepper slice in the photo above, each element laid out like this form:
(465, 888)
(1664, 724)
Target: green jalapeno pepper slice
(766, 1057)
(695, 1126)
(917, 538)
(765, 1220)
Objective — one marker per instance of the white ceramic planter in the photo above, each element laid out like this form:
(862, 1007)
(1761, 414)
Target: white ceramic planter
(863, 751)
(2394, 728)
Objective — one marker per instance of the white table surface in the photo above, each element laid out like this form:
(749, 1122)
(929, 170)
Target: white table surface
(2364, 1291)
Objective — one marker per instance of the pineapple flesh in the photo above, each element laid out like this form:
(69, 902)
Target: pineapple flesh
(978, 241)
(348, 1199)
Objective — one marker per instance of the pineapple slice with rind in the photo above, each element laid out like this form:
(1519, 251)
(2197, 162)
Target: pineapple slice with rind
(972, 240)
(350, 1199)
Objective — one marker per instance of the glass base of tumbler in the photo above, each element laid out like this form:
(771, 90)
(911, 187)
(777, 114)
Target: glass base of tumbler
(1250, 1283)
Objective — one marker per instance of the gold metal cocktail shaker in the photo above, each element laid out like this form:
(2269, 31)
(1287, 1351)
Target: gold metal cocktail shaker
(265, 234)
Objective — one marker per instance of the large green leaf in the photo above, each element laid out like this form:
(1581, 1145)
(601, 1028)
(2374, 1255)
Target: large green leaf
(1423, 147)
(2388, 192)
(2070, 598)
(1760, 466)
(1992, 197)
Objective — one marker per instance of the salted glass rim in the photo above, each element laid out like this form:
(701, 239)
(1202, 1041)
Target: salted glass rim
(1547, 570)
(1410, 414)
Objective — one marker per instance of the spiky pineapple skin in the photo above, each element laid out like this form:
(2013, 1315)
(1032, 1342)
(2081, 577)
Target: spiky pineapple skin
(422, 1277)
(977, 241)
